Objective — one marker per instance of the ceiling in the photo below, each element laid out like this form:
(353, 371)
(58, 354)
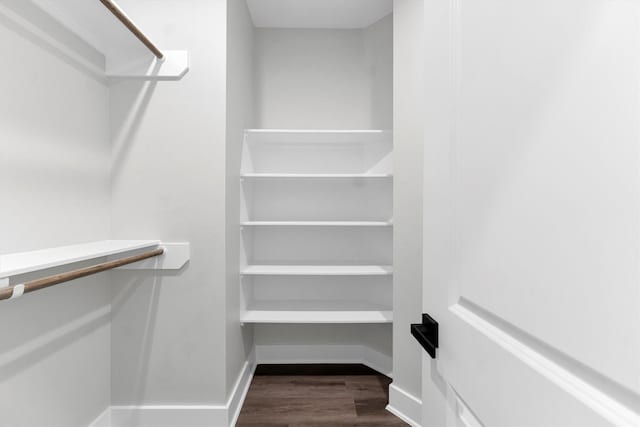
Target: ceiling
(333, 14)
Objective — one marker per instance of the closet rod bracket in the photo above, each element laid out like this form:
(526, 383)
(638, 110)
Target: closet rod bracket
(174, 257)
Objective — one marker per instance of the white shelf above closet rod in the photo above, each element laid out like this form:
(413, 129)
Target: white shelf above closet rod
(121, 254)
(17, 290)
(96, 36)
(177, 254)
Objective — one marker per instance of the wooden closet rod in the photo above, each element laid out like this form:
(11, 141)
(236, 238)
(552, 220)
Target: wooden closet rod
(35, 285)
(118, 13)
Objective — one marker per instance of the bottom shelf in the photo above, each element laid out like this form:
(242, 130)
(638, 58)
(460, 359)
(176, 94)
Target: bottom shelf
(316, 312)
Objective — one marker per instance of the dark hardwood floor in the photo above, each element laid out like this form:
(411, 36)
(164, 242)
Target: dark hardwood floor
(317, 396)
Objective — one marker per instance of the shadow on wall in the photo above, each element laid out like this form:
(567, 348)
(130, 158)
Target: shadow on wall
(30, 22)
(126, 121)
(137, 297)
(54, 323)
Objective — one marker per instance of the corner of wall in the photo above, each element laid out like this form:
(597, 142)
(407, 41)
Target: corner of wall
(408, 188)
(405, 406)
(239, 116)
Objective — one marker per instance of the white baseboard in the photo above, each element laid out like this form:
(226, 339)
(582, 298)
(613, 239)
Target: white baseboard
(325, 354)
(163, 416)
(226, 415)
(182, 415)
(405, 406)
(240, 390)
(103, 420)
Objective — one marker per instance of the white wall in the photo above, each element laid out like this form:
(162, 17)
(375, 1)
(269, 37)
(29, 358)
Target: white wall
(438, 408)
(408, 165)
(168, 182)
(325, 344)
(239, 117)
(324, 79)
(54, 344)
(379, 50)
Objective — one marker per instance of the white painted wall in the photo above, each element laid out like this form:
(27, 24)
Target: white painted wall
(326, 344)
(436, 408)
(379, 48)
(168, 182)
(324, 79)
(240, 39)
(54, 344)
(408, 165)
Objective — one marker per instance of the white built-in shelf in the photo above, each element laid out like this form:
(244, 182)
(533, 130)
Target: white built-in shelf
(295, 153)
(342, 317)
(317, 175)
(322, 198)
(317, 223)
(316, 312)
(27, 262)
(315, 133)
(318, 270)
(338, 136)
(88, 35)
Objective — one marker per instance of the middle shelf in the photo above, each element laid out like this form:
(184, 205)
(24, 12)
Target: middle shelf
(316, 312)
(318, 270)
(316, 223)
(316, 175)
(317, 316)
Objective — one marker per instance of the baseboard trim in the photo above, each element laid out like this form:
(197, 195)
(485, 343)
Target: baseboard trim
(169, 416)
(182, 415)
(405, 406)
(240, 390)
(103, 420)
(282, 354)
(227, 415)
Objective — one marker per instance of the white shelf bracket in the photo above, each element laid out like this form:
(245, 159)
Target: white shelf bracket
(173, 66)
(175, 256)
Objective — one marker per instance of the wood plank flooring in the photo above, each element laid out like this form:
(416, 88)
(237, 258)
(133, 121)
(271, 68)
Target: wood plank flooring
(317, 396)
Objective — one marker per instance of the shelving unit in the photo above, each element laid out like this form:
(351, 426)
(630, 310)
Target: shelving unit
(316, 226)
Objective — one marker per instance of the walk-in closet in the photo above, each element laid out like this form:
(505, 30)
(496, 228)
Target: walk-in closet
(319, 213)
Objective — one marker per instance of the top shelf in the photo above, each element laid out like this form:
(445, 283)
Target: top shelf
(336, 136)
(98, 37)
(26, 262)
(298, 153)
